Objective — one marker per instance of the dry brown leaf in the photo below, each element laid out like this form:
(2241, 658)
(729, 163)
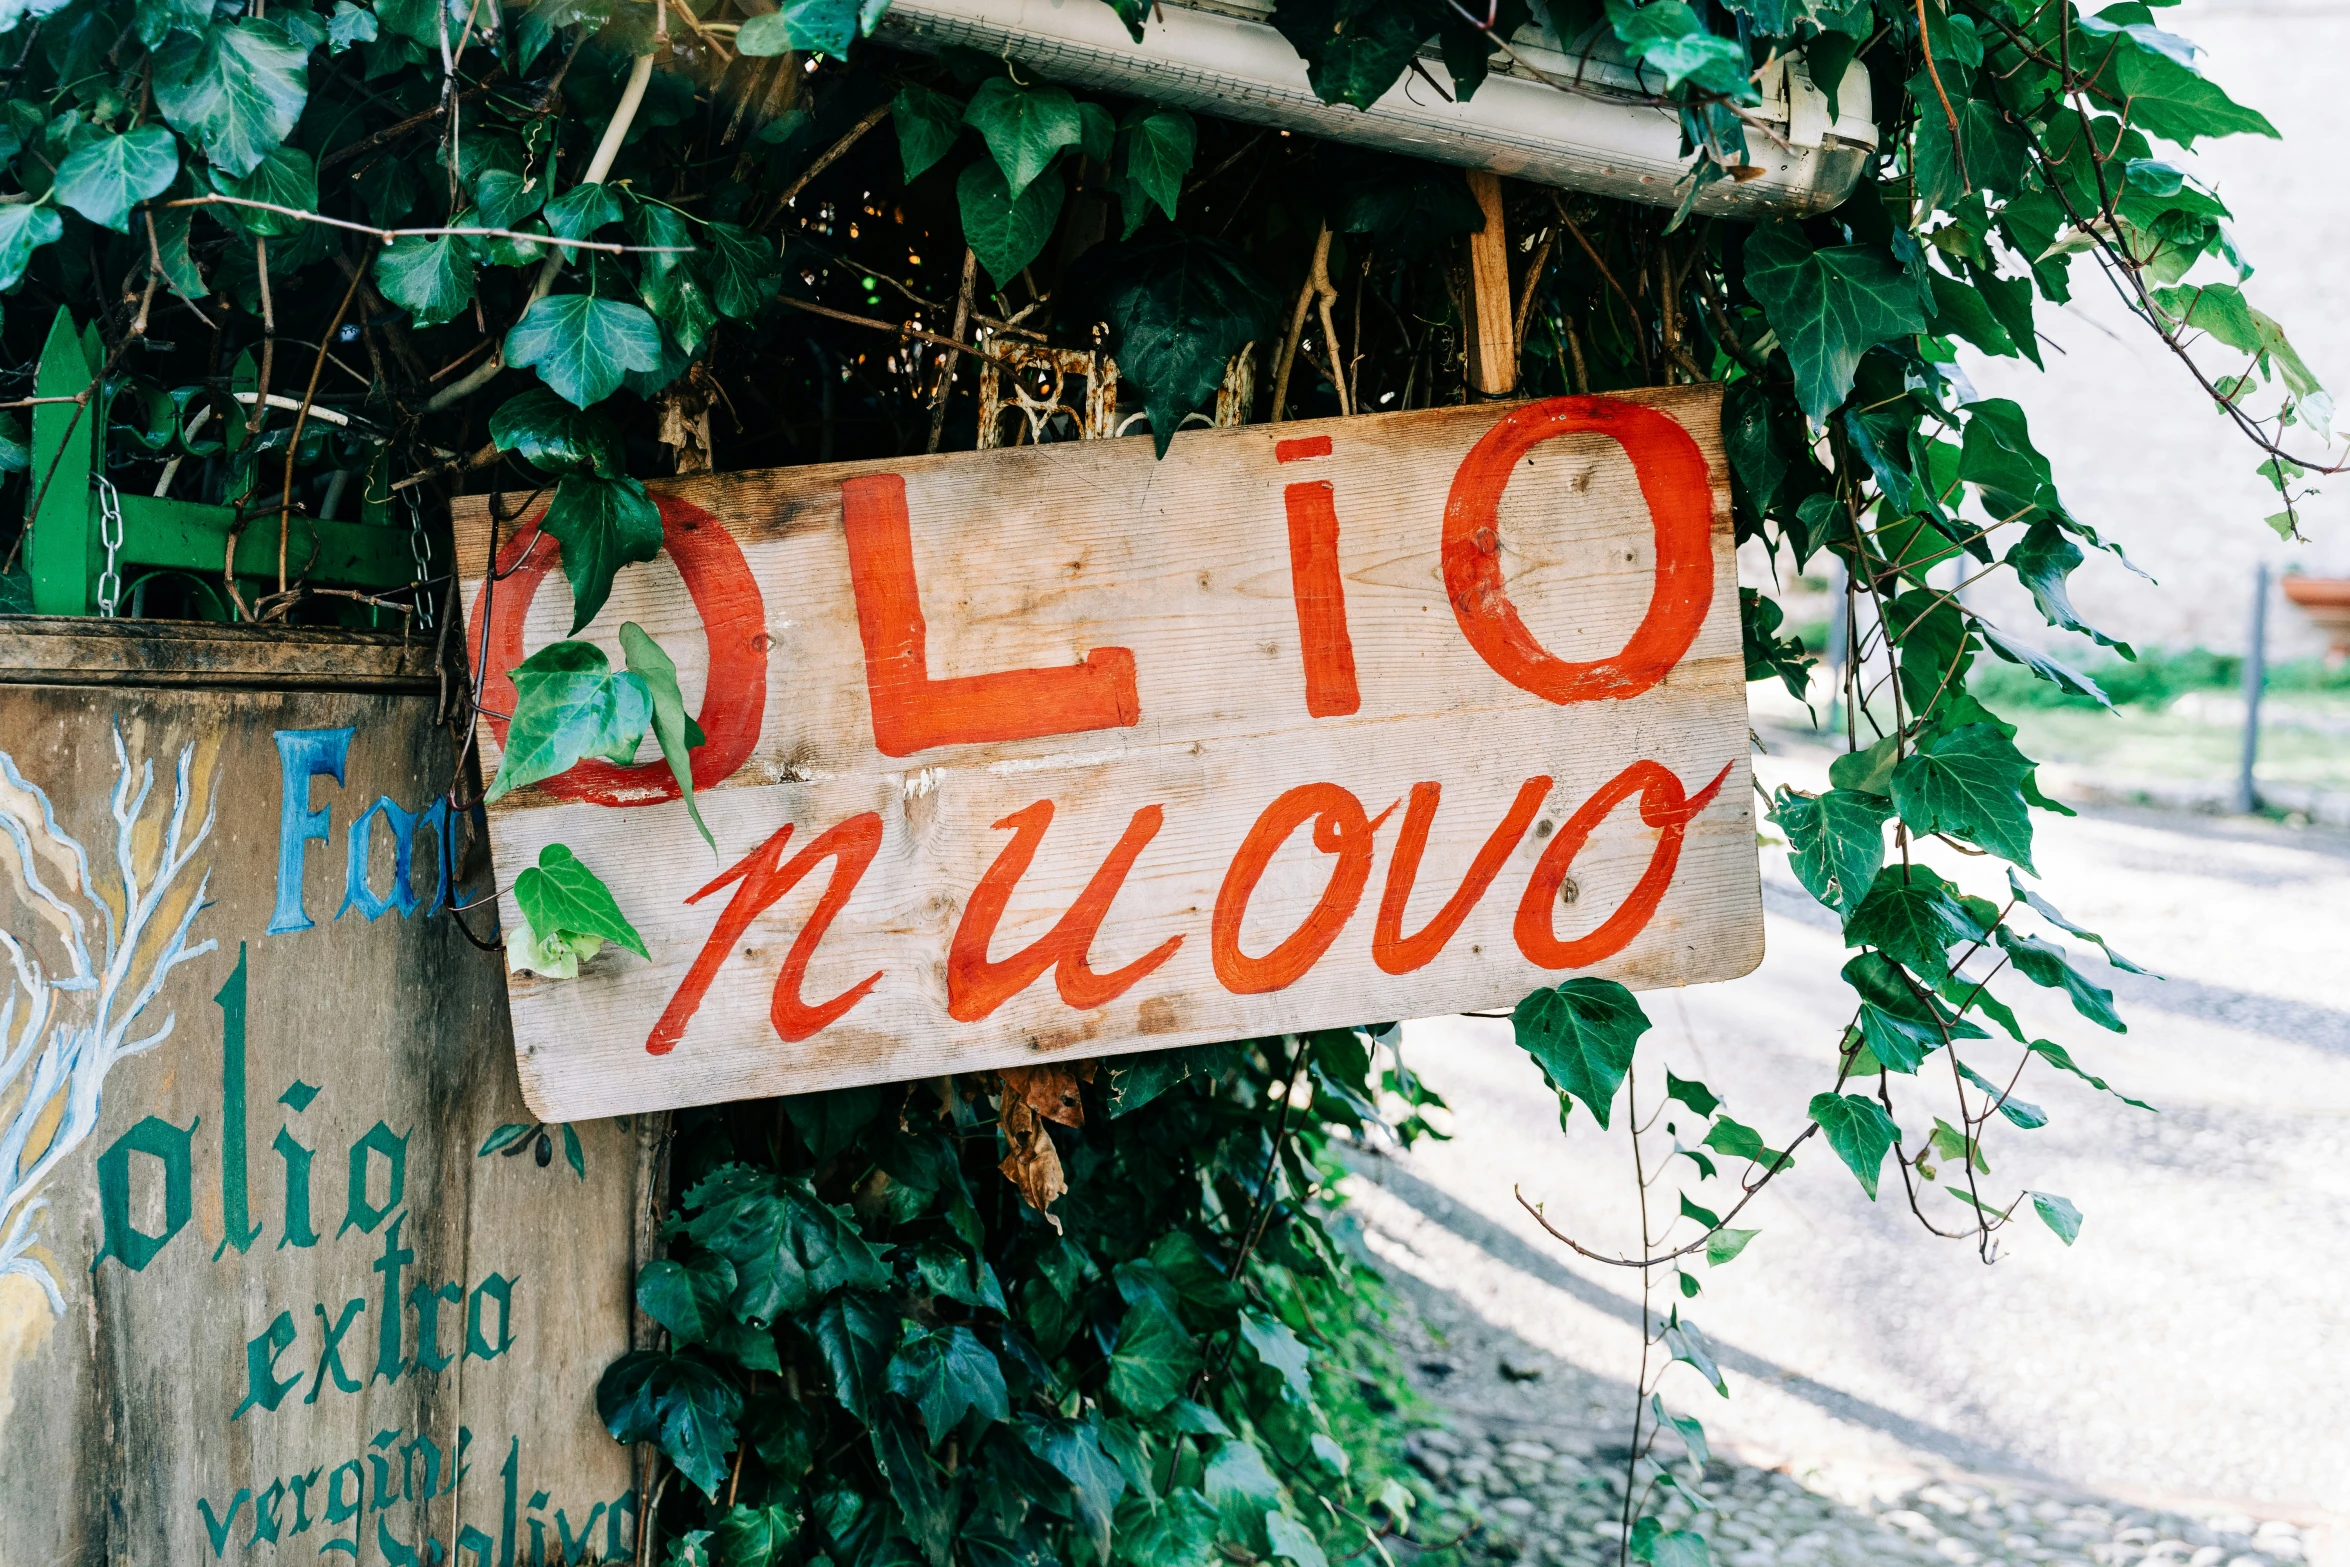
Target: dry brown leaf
(1051, 1091)
(1034, 1165)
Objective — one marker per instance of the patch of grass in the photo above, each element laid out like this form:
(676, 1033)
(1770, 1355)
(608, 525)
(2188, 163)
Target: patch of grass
(2153, 680)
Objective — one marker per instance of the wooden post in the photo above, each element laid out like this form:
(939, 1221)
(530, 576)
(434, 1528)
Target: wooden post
(1493, 338)
(283, 1245)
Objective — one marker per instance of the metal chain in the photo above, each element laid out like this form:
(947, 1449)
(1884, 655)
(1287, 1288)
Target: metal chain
(110, 535)
(419, 550)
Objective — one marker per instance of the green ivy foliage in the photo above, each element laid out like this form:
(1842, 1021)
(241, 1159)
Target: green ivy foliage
(879, 1350)
(552, 249)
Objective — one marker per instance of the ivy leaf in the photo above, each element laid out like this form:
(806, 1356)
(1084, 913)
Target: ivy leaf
(2047, 911)
(1739, 1141)
(1997, 155)
(671, 724)
(1154, 1359)
(671, 282)
(946, 1271)
(1179, 306)
(432, 279)
(568, 704)
(1025, 127)
(1671, 37)
(855, 1335)
(2041, 560)
(1680, 1548)
(1279, 1350)
(1900, 1027)
(286, 178)
(1911, 917)
(554, 437)
(2019, 1112)
(1859, 1130)
(1076, 1451)
(1180, 1532)
(2060, 1058)
(2053, 670)
(1725, 1245)
(1159, 145)
(602, 524)
(1998, 457)
(155, 20)
(23, 230)
(1292, 1541)
(947, 1373)
(2046, 964)
(2059, 1215)
(351, 24)
(1355, 49)
(235, 92)
(503, 198)
(789, 1248)
(108, 175)
(688, 1298)
(688, 1407)
(928, 124)
(1835, 841)
(754, 1536)
(2148, 73)
(581, 210)
(1868, 770)
(1690, 1347)
(1695, 1095)
(1828, 307)
(561, 895)
(1006, 233)
(1968, 782)
(171, 248)
(743, 270)
(583, 345)
(1582, 1034)
(804, 27)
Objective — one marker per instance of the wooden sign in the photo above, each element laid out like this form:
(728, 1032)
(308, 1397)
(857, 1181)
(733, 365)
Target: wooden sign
(1062, 750)
(261, 1300)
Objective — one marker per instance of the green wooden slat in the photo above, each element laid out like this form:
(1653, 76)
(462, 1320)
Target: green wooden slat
(62, 556)
(183, 536)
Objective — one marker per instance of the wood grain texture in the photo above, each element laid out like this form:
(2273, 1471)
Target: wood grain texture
(1493, 336)
(365, 1044)
(1060, 558)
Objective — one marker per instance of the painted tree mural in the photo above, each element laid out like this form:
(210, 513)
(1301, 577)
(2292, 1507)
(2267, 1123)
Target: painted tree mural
(88, 957)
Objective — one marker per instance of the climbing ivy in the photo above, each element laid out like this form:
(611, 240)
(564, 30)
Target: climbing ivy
(408, 249)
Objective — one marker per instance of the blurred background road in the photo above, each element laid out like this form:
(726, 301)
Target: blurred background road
(2195, 1342)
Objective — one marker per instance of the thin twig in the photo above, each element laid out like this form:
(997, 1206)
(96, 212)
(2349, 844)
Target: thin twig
(389, 236)
(824, 160)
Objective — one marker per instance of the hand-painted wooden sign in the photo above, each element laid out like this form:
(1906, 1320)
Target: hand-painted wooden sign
(260, 1300)
(1061, 749)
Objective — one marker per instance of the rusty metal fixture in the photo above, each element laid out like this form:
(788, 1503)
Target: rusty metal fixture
(1032, 393)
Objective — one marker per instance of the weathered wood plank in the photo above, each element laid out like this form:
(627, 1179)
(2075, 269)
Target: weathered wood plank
(1219, 578)
(292, 1307)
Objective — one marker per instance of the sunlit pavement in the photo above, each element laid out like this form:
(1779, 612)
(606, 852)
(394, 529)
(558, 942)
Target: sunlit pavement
(2191, 1347)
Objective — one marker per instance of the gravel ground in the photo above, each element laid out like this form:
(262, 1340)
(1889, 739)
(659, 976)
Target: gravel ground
(2167, 1390)
(1525, 1463)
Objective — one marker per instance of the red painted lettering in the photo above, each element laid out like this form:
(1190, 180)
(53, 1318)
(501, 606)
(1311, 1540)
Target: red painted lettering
(911, 711)
(1663, 806)
(976, 985)
(1391, 949)
(1340, 828)
(1673, 480)
(1320, 592)
(765, 876)
(734, 620)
